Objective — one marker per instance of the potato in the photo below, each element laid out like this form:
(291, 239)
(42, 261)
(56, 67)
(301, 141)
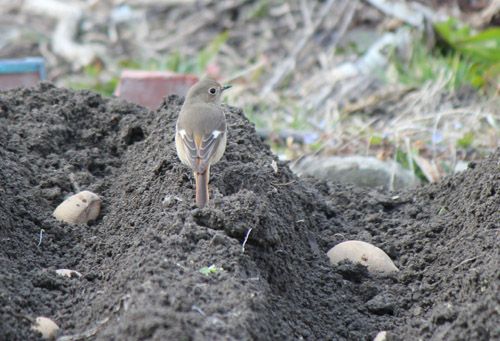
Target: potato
(79, 208)
(68, 273)
(46, 327)
(367, 254)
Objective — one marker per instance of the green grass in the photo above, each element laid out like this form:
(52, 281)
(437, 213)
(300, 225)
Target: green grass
(93, 80)
(403, 159)
(482, 49)
(426, 66)
(466, 140)
(463, 56)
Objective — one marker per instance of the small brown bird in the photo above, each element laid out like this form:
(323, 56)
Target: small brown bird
(200, 136)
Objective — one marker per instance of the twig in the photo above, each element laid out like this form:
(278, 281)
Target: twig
(385, 94)
(464, 262)
(487, 14)
(187, 27)
(306, 14)
(434, 134)
(245, 241)
(412, 13)
(375, 58)
(245, 72)
(41, 237)
(347, 16)
(274, 166)
(392, 177)
(282, 136)
(69, 16)
(289, 64)
(164, 2)
(409, 154)
(198, 309)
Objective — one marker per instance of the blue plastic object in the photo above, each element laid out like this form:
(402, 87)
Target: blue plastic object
(24, 65)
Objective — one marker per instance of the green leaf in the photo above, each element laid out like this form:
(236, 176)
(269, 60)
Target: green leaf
(210, 270)
(403, 160)
(376, 140)
(466, 140)
(483, 46)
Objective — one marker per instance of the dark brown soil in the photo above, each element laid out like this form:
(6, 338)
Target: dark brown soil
(141, 259)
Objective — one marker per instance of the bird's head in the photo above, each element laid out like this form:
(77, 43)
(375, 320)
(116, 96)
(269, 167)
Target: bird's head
(207, 90)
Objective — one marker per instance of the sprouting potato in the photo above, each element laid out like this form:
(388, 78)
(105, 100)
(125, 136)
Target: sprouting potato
(46, 327)
(79, 208)
(367, 254)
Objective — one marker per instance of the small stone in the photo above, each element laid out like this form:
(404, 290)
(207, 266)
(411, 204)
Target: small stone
(68, 273)
(169, 200)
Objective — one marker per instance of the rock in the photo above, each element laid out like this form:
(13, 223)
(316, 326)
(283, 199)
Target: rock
(363, 171)
(46, 327)
(460, 166)
(364, 253)
(79, 208)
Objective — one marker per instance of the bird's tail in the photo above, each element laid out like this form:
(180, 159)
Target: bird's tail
(202, 187)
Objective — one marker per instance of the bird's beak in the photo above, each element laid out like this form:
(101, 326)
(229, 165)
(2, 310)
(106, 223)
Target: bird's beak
(227, 86)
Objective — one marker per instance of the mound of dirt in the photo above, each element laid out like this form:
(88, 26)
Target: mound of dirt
(141, 259)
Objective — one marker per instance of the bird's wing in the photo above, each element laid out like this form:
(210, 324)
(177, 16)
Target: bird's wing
(199, 149)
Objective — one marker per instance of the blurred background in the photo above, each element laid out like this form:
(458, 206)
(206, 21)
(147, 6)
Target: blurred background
(386, 94)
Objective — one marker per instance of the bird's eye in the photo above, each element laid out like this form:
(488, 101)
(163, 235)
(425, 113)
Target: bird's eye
(212, 91)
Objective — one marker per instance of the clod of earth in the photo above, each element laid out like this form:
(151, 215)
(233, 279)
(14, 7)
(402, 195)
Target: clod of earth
(46, 327)
(79, 208)
(364, 253)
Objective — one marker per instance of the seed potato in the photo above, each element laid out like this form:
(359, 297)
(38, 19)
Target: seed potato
(46, 327)
(367, 254)
(79, 208)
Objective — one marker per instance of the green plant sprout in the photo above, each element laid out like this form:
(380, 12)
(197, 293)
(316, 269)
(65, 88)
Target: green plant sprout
(481, 48)
(212, 269)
